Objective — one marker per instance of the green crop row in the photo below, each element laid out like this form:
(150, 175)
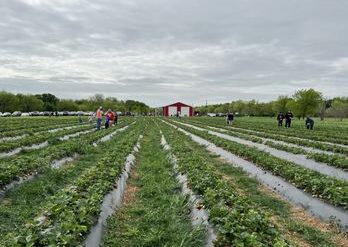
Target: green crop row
(39, 138)
(40, 160)
(68, 215)
(237, 220)
(158, 214)
(330, 159)
(17, 125)
(329, 133)
(36, 129)
(330, 189)
(302, 142)
(23, 202)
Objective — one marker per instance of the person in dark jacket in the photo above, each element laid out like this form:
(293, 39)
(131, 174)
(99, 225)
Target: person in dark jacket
(309, 123)
(288, 117)
(116, 117)
(280, 119)
(107, 119)
(229, 118)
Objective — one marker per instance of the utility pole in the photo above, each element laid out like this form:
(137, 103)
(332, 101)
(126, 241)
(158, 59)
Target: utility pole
(206, 106)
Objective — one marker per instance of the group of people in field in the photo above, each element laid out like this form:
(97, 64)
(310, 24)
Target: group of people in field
(287, 116)
(111, 118)
(309, 123)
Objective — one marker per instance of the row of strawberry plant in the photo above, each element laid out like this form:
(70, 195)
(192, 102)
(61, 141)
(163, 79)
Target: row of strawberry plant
(332, 190)
(36, 129)
(237, 220)
(330, 159)
(164, 210)
(281, 132)
(40, 127)
(11, 169)
(328, 133)
(333, 136)
(39, 138)
(68, 214)
(22, 124)
(281, 211)
(21, 203)
(297, 141)
(17, 122)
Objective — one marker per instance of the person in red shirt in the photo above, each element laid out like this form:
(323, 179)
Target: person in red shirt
(112, 117)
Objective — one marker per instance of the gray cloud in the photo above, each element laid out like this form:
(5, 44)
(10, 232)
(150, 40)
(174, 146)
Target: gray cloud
(162, 51)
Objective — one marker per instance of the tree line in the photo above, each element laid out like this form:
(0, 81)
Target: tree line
(303, 103)
(10, 102)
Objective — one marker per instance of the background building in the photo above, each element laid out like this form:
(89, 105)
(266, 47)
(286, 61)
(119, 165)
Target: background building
(179, 108)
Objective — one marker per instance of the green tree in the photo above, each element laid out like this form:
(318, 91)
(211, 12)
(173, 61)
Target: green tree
(323, 107)
(29, 103)
(211, 109)
(96, 101)
(84, 105)
(264, 109)
(8, 102)
(50, 101)
(281, 104)
(67, 105)
(238, 106)
(222, 108)
(250, 108)
(306, 102)
(339, 107)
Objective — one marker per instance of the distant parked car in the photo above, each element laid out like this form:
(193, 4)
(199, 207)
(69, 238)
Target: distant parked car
(65, 113)
(16, 114)
(34, 113)
(6, 114)
(211, 114)
(41, 114)
(25, 114)
(128, 113)
(0, 114)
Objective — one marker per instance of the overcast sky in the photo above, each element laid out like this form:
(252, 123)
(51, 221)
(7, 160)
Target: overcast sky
(161, 51)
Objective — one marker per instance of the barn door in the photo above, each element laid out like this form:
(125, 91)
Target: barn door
(185, 111)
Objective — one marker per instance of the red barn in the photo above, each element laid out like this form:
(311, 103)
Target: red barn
(178, 108)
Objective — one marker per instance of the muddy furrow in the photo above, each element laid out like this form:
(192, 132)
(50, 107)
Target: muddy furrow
(112, 201)
(199, 216)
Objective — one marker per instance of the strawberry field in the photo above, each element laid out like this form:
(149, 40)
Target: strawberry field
(152, 181)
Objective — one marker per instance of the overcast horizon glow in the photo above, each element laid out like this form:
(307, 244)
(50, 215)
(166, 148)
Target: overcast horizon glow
(160, 52)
